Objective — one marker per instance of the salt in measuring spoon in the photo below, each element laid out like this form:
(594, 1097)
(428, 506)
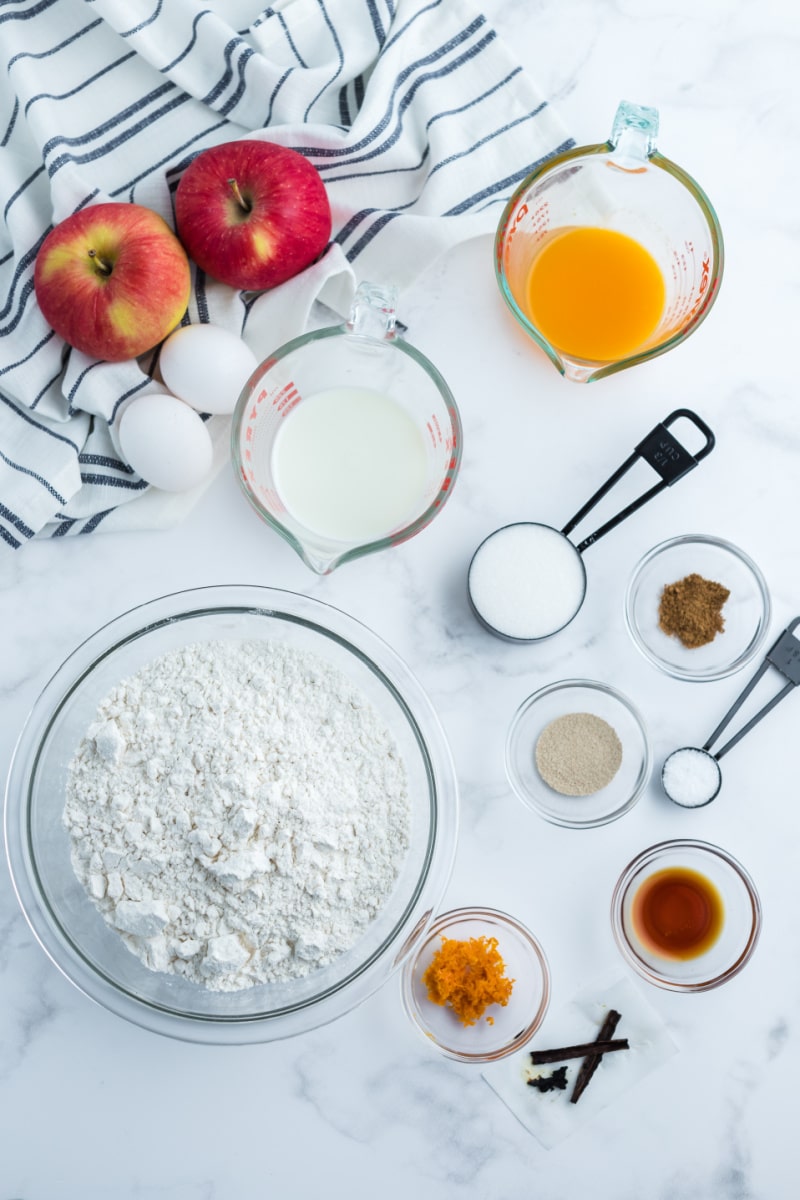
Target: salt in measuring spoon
(691, 776)
(527, 581)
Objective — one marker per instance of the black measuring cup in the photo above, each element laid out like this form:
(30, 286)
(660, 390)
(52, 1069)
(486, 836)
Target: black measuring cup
(516, 557)
(699, 763)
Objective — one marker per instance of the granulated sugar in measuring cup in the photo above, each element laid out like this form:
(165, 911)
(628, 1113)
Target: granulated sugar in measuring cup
(347, 440)
(691, 776)
(609, 254)
(526, 581)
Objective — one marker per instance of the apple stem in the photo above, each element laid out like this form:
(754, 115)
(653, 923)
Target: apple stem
(102, 265)
(237, 195)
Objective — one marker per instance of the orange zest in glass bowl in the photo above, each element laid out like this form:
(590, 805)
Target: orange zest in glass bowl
(469, 976)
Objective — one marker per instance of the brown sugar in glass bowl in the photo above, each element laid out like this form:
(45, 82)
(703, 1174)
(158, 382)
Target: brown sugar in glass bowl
(691, 610)
(746, 613)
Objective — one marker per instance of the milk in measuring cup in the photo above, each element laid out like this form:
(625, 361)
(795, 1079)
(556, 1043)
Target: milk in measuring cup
(350, 464)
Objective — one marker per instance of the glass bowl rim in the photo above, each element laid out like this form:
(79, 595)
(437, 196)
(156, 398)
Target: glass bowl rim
(132, 624)
(762, 590)
(562, 685)
(651, 854)
(440, 924)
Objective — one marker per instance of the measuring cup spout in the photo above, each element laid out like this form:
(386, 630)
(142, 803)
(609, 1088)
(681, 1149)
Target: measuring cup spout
(571, 368)
(319, 562)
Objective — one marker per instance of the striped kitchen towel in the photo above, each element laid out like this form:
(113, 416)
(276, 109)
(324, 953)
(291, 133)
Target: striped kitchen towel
(417, 117)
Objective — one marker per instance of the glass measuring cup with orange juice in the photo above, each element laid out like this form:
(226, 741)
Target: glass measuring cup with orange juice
(608, 255)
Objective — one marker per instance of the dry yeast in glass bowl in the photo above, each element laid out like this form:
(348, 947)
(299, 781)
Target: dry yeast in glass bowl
(606, 794)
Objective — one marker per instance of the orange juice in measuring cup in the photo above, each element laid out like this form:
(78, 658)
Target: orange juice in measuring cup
(610, 254)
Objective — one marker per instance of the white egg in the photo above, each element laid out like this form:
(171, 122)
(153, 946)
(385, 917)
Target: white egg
(206, 366)
(166, 442)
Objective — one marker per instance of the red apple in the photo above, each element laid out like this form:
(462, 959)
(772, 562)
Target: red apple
(113, 280)
(252, 214)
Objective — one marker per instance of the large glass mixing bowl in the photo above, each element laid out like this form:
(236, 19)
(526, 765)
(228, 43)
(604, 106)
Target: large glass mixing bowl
(66, 923)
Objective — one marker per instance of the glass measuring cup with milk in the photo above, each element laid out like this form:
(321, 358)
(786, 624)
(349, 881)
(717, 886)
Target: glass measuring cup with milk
(347, 440)
(610, 254)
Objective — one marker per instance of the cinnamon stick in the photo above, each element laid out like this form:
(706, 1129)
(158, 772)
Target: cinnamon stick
(540, 1057)
(592, 1061)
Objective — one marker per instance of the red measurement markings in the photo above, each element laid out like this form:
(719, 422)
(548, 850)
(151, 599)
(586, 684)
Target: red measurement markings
(705, 271)
(702, 288)
(435, 430)
(285, 399)
(271, 499)
(282, 403)
(534, 222)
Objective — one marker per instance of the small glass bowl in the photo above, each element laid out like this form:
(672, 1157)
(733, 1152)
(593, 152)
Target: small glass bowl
(515, 1022)
(578, 696)
(741, 923)
(746, 612)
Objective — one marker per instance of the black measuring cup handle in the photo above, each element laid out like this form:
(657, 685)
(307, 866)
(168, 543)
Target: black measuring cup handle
(665, 454)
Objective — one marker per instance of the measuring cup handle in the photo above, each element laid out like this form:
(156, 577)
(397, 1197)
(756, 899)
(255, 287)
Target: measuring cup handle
(372, 313)
(665, 454)
(633, 135)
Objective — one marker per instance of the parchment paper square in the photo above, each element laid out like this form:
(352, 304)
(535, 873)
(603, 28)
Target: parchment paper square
(550, 1116)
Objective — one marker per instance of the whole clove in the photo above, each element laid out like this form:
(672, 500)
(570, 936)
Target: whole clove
(555, 1081)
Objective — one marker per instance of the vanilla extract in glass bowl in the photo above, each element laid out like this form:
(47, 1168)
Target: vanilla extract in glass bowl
(686, 915)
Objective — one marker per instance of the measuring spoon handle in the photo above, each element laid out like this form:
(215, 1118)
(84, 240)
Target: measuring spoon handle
(784, 655)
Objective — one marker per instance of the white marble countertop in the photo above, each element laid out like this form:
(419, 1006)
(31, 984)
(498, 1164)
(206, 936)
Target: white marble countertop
(94, 1108)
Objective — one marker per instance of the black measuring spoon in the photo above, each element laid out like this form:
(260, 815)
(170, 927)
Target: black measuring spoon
(507, 582)
(691, 776)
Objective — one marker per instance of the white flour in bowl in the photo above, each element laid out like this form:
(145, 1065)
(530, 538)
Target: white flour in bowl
(238, 812)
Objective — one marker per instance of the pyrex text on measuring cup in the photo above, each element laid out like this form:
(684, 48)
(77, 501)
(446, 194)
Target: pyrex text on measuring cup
(527, 581)
(347, 440)
(610, 254)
